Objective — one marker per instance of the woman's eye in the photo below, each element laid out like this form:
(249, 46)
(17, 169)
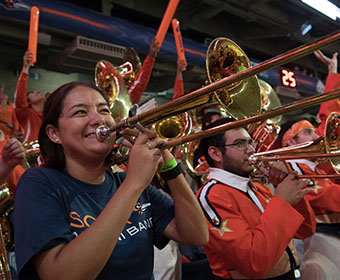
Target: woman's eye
(105, 110)
(79, 112)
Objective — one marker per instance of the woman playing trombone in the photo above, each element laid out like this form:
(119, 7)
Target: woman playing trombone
(74, 219)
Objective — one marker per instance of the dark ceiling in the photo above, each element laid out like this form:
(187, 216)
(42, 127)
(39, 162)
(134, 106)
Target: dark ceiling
(262, 28)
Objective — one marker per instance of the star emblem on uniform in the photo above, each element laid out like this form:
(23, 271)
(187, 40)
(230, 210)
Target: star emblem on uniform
(222, 228)
(316, 188)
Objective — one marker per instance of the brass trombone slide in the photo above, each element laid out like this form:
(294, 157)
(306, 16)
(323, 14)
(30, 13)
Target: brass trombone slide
(203, 95)
(298, 105)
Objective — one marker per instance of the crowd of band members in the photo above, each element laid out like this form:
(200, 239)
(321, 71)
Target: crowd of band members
(247, 228)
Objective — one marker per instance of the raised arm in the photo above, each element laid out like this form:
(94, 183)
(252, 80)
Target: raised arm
(142, 79)
(21, 88)
(332, 82)
(331, 63)
(178, 87)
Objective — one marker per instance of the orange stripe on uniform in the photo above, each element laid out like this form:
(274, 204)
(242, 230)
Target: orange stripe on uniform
(90, 22)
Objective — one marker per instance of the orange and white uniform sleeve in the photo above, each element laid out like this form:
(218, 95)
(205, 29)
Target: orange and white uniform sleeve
(249, 243)
(141, 81)
(332, 82)
(324, 196)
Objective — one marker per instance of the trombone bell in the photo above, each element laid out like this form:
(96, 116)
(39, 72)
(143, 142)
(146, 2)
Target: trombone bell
(332, 139)
(111, 82)
(116, 80)
(170, 128)
(240, 99)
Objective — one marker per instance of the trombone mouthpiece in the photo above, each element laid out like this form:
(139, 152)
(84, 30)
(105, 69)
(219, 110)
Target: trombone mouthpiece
(102, 132)
(253, 160)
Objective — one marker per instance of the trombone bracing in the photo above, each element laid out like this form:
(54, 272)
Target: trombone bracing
(204, 95)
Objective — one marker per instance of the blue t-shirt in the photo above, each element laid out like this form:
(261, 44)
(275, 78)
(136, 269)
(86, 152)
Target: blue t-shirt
(52, 207)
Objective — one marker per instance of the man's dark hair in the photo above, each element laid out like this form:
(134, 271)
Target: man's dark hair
(216, 140)
(207, 117)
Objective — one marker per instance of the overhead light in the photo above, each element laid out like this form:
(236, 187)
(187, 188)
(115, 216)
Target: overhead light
(325, 7)
(305, 28)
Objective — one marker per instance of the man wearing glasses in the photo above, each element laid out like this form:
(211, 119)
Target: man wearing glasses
(250, 229)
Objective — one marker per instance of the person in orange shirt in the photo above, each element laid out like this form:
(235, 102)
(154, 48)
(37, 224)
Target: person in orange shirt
(142, 79)
(9, 124)
(28, 105)
(250, 228)
(321, 251)
(319, 261)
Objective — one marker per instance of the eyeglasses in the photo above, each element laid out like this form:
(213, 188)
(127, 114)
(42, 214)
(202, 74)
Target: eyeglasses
(242, 145)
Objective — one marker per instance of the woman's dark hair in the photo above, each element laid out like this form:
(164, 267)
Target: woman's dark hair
(52, 153)
(216, 140)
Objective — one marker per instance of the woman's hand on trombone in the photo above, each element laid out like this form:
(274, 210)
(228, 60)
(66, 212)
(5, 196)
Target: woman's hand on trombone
(145, 157)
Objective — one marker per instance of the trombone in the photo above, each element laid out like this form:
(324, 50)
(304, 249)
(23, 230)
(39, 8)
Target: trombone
(203, 95)
(103, 132)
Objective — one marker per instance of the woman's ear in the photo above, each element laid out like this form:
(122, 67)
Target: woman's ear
(216, 155)
(53, 133)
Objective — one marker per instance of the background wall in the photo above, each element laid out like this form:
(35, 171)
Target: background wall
(40, 79)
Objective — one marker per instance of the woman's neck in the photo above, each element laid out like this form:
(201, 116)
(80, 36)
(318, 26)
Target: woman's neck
(88, 173)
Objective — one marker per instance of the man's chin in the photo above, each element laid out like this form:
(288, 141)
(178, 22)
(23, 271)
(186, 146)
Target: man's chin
(244, 173)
